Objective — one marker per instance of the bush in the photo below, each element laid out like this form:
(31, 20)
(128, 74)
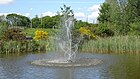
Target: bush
(135, 28)
(41, 35)
(2, 30)
(14, 34)
(103, 30)
(86, 33)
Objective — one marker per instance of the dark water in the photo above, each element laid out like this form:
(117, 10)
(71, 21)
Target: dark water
(113, 67)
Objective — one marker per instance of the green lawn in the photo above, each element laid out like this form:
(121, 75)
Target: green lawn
(31, 31)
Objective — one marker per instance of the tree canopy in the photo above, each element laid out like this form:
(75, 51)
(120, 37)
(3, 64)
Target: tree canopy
(18, 20)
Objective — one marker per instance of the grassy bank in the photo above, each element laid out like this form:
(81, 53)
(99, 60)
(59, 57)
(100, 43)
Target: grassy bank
(31, 31)
(10, 44)
(117, 44)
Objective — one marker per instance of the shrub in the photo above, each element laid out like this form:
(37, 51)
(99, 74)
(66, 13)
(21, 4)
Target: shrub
(41, 35)
(86, 33)
(103, 30)
(135, 28)
(14, 34)
(2, 30)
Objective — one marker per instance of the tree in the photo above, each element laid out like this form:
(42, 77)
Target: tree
(133, 10)
(56, 20)
(65, 10)
(18, 20)
(104, 13)
(80, 23)
(48, 22)
(36, 22)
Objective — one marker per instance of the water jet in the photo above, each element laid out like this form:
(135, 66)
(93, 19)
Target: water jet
(67, 46)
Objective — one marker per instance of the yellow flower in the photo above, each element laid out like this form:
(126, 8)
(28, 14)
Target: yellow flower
(85, 31)
(40, 35)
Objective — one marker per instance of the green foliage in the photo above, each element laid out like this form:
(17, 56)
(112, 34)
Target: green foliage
(2, 30)
(104, 30)
(117, 44)
(50, 22)
(80, 23)
(66, 10)
(3, 21)
(18, 20)
(135, 28)
(46, 22)
(8, 47)
(31, 31)
(133, 10)
(36, 22)
(104, 13)
(120, 14)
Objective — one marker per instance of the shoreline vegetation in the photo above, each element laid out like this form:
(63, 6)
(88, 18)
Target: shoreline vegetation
(117, 30)
(116, 44)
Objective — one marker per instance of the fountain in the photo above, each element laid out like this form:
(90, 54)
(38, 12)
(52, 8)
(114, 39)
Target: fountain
(67, 46)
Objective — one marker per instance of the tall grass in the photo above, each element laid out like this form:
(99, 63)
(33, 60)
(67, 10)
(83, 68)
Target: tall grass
(11, 46)
(117, 44)
(15, 47)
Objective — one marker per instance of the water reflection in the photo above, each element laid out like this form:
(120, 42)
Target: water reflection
(113, 67)
(65, 73)
(127, 68)
(12, 68)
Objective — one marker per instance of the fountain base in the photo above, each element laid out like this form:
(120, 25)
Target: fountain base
(76, 63)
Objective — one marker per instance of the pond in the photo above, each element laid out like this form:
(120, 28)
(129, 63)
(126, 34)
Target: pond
(114, 66)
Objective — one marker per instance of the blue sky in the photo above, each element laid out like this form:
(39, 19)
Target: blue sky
(83, 9)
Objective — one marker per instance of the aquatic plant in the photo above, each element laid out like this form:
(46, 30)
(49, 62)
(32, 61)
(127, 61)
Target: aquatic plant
(116, 44)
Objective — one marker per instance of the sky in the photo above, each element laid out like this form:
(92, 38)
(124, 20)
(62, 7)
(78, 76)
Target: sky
(86, 10)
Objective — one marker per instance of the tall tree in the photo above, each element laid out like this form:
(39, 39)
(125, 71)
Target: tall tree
(133, 10)
(36, 22)
(104, 13)
(18, 20)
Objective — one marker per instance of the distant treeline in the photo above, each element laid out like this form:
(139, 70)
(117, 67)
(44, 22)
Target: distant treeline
(36, 22)
(116, 17)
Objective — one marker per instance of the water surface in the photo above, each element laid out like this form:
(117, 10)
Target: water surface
(113, 67)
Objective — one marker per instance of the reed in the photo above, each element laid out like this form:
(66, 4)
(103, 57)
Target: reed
(8, 47)
(116, 44)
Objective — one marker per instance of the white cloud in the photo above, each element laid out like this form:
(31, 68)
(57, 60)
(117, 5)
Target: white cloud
(6, 1)
(48, 13)
(94, 7)
(79, 9)
(3, 14)
(93, 16)
(27, 14)
(79, 15)
(94, 13)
